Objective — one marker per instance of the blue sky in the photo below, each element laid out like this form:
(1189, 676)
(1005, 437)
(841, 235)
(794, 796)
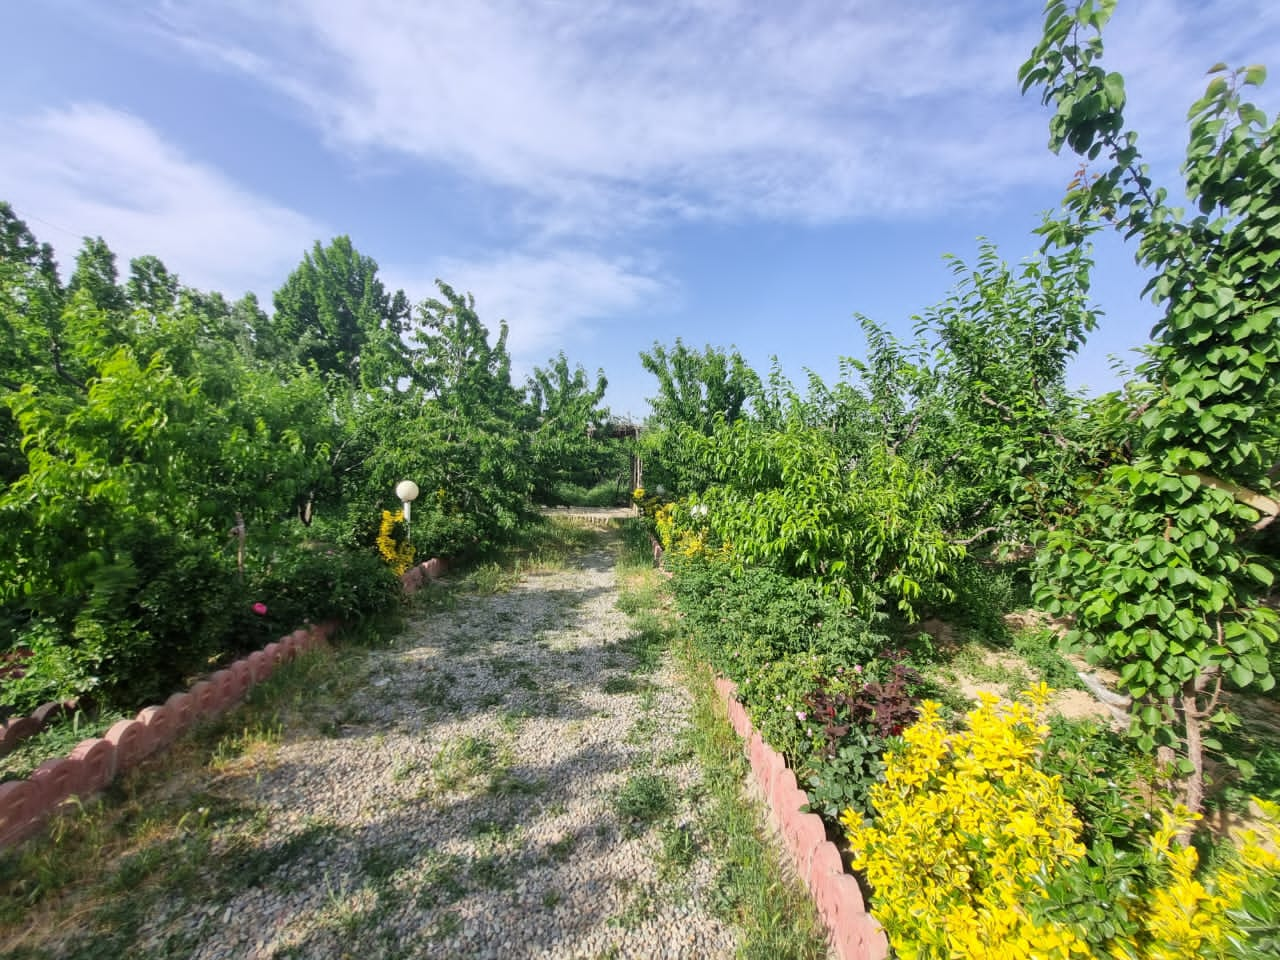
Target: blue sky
(600, 176)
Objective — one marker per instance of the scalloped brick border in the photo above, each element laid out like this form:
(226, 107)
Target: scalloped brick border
(855, 934)
(25, 805)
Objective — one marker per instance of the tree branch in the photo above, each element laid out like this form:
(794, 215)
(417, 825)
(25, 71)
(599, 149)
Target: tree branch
(981, 533)
(62, 371)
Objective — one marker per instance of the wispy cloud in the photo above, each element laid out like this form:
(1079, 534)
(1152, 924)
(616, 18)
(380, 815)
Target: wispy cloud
(648, 111)
(608, 116)
(92, 170)
(546, 298)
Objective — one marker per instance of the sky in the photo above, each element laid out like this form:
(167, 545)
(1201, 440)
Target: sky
(601, 176)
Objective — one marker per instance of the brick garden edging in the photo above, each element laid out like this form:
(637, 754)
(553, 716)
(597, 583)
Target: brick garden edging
(855, 934)
(25, 805)
(16, 729)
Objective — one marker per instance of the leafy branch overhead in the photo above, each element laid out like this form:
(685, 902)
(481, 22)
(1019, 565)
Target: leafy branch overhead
(1162, 567)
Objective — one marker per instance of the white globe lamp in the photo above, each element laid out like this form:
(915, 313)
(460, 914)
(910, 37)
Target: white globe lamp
(407, 491)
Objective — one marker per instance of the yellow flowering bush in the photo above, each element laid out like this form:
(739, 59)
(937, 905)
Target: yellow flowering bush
(1232, 911)
(971, 841)
(683, 531)
(963, 823)
(396, 552)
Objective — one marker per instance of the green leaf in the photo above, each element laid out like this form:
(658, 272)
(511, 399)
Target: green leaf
(1113, 86)
(1260, 573)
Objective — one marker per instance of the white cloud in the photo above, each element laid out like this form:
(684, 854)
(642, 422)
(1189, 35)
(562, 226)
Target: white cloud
(92, 170)
(547, 298)
(648, 111)
(606, 116)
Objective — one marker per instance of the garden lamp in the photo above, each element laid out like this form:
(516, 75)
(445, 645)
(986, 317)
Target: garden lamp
(407, 491)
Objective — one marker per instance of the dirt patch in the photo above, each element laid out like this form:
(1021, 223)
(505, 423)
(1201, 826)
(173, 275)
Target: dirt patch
(1078, 705)
(943, 634)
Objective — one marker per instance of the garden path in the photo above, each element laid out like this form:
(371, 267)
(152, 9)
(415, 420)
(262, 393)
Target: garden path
(508, 780)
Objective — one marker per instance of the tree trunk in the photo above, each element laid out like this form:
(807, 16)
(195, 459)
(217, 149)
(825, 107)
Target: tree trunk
(1193, 783)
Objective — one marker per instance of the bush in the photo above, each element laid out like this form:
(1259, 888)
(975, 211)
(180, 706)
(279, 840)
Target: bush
(320, 582)
(150, 617)
(975, 851)
(859, 717)
(743, 619)
(608, 493)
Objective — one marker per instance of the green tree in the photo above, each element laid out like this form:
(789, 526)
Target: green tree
(97, 278)
(334, 313)
(151, 287)
(1160, 569)
(696, 390)
(459, 432)
(569, 441)
(869, 531)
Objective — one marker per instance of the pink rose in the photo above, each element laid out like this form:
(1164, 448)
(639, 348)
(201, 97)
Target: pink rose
(260, 609)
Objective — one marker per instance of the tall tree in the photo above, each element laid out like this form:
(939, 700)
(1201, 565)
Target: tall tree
(567, 441)
(696, 390)
(151, 287)
(96, 276)
(336, 314)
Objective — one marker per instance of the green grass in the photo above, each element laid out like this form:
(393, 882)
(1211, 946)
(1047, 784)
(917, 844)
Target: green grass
(774, 915)
(621, 683)
(644, 798)
(464, 761)
(150, 835)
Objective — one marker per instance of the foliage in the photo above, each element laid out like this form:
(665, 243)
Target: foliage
(570, 441)
(858, 719)
(742, 619)
(141, 421)
(868, 532)
(962, 822)
(696, 390)
(1105, 779)
(1160, 569)
(334, 314)
(980, 397)
(318, 583)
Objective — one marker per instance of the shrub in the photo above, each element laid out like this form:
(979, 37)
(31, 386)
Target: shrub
(393, 545)
(962, 822)
(857, 718)
(743, 619)
(318, 582)
(975, 852)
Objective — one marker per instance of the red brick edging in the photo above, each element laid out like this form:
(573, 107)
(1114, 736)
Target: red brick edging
(855, 934)
(25, 805)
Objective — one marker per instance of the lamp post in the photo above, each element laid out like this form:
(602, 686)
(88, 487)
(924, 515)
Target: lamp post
(407, 491)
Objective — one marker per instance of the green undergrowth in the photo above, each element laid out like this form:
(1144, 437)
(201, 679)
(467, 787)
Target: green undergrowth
(753, 890)
(56, 740)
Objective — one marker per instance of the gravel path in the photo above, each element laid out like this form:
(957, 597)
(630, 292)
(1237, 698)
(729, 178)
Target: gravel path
(507, 782)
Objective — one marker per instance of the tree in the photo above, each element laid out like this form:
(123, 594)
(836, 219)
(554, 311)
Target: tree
(96, 277)
(151, 287)
(568, 441)
(696, 390)
(1160, 568)
(335, 314)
